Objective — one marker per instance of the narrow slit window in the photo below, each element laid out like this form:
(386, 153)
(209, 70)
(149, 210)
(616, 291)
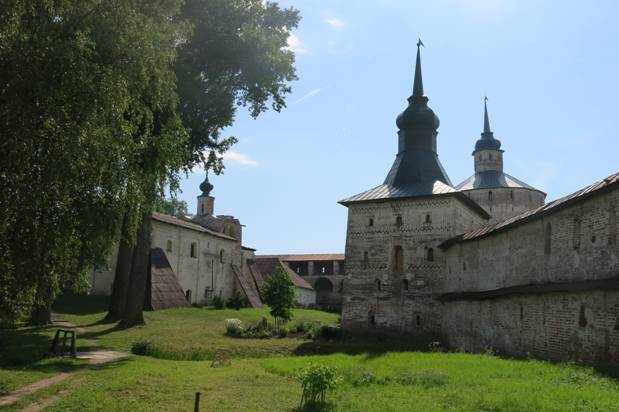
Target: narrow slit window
(398, 259)
(398, 221)
(428, 219)
(490, 196)
(371, 222)
(612, 225)
(378, 285)
(366, 259)
(193, 252)
(576, 233)
(221, 256)
(547, 239)
(430, 255)
(582, 317)
(168, 246)
(404, 284)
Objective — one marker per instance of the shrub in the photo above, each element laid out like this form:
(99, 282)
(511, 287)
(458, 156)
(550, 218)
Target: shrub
(142, 348)
(236, 301)
(329, 332)
(304, 327)
(218, 302)
(435, 346)
(316, 380)
(234, 327)
(262, 329)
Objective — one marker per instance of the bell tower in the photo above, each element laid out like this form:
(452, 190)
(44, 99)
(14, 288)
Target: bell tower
(206, 202)
(488, 155)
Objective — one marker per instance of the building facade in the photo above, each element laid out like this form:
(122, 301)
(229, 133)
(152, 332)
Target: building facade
(206, 254)
(484, 264)
(324, 271)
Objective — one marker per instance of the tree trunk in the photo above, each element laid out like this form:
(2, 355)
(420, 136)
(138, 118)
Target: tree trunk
(121, 277)
(41, 315)
(139, 276)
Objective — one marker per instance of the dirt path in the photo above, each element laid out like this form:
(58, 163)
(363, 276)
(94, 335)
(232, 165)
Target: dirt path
(94, 357)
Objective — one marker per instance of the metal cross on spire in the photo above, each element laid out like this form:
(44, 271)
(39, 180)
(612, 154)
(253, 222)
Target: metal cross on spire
(418, 82)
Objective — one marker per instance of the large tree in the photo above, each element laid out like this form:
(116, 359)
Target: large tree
(87, 98)
(235, 55)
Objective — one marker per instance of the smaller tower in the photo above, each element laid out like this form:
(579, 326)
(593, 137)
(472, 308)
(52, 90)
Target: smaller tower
(488, 154)
(206, 202)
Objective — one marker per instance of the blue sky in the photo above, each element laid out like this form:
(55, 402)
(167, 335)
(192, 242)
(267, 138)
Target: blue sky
(550, 70)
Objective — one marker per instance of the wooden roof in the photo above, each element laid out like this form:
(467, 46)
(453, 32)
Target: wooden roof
(163, 290)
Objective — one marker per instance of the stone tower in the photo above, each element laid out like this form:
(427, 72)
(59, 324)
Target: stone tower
(393, 263)
(206, 202)
(500, 194)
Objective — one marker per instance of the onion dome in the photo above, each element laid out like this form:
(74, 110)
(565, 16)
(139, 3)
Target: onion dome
(417, 114)
(487, 141)
(206, 186)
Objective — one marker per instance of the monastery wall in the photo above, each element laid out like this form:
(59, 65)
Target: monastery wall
(559, 304)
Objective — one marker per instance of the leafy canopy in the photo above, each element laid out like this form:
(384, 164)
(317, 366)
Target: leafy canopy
(279, 293)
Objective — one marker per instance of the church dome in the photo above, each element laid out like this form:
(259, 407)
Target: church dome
(206, 186)
(487, 143)
(417, 114)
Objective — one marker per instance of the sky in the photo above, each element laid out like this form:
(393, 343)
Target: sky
(550, 70)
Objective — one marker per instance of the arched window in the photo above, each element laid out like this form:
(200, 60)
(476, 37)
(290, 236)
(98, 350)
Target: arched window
(430, 255)
(547, 238)
(168, 245)
(378, 285)
(428, 218)
(193, 250)
(398, 221)
(398, 259)
(404, 284)
(221, 256)
(188, 295)
(366, 259)
(490, 196)
(576, 233)
(371, 222)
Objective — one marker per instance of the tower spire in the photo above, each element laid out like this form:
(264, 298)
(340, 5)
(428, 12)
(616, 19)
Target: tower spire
(487, 131)
(418, 82)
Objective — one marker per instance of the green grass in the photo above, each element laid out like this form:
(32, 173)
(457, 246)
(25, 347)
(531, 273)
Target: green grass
(375, 376)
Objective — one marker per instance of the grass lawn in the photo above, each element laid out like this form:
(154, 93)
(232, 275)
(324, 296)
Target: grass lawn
(261, 376)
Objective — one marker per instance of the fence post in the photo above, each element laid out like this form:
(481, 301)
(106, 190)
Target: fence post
(196, 406)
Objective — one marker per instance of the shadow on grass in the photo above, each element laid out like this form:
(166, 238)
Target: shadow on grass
(81, 305)
(316, 407)
(370, 347)
(95, 334)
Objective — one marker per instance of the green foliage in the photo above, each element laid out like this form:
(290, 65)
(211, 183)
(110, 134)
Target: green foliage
(142, 348)
(316, 380)
(329, 332)
(217, 302)
(171, 206)
(278, 292)
(236, 301)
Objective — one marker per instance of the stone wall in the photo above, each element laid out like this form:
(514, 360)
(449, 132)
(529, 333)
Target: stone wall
(575, 246)
(502, 203)
(382, 295)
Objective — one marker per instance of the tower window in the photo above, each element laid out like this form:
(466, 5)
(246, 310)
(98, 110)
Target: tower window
(428, 219)
(398, 221)
(168, 246)
(221, 256)
(404, 284)
(490, 196)
(378, 285)
(511, 195)
(398, 259)
(193, 250)
(371, 222)
(464, 266)
(418, 320)
(430, 255)
(202, 208)
(372, 319)
(547, 239)
(366, 259)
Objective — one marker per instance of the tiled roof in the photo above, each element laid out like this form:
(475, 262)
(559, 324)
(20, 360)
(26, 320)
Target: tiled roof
(597, 188)
(265, 266)
(165, 291)
(248, 248)
(173, 220)
(492, 179)
(306, 257)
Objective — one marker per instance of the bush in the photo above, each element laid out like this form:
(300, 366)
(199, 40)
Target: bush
(142, 348)
(262, 329)
(304, 327)
(329, 332)
(316, 380)
(236, 301)
(234, 327)
(217, 302)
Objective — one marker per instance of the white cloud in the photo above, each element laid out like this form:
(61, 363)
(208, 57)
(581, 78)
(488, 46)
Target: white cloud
(239, 158)
(295, 45)
(335, 22)
(307, 95)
